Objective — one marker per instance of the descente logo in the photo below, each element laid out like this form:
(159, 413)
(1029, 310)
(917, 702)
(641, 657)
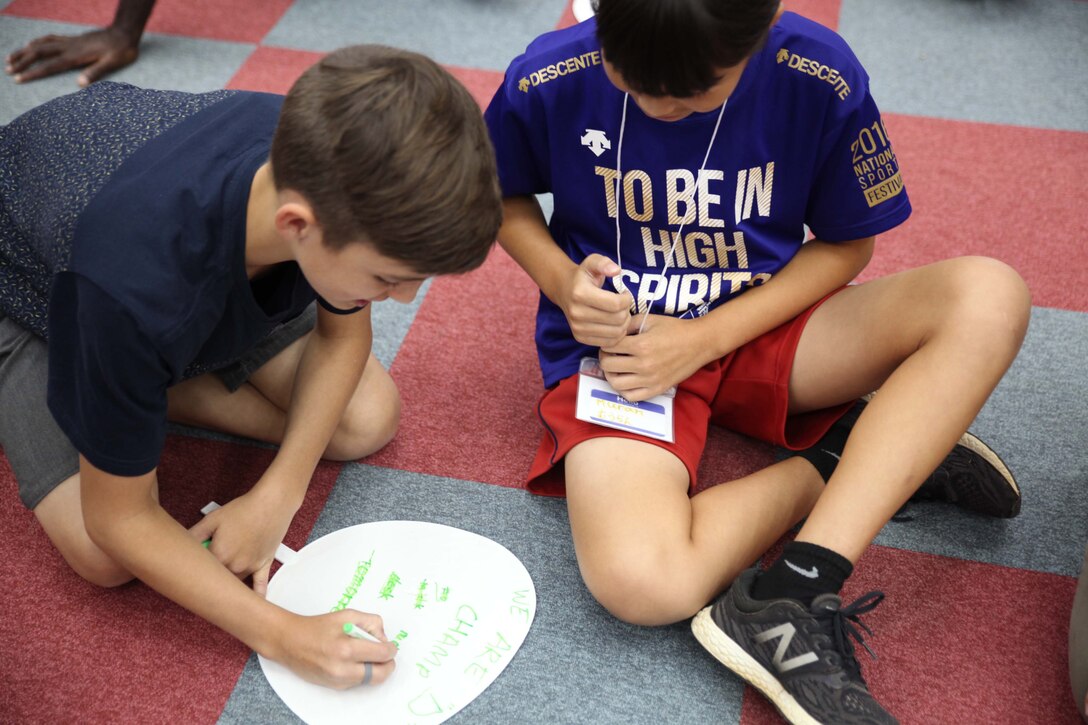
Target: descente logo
(816, 69)
(561, 68)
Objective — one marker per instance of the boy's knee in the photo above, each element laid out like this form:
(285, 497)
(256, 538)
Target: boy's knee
(94, 566)
(364, 429)
(990, 295)
(639, 590)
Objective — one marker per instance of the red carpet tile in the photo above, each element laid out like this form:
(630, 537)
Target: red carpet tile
(1030, 220)
(242, 21)
(482, 84)
(469, 356)
(960, 641)
(272, 70)
(824, 12)
(86, 654)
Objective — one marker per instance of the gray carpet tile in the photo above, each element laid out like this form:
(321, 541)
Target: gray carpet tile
(1037, 421)
(469, 33)
(571, 635)
(997, 61)
(166, 61)
(391, 321)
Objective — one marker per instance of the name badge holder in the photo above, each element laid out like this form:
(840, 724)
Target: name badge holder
(599, 403)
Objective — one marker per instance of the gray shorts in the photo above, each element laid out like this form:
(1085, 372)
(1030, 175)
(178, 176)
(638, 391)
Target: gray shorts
(40, 454)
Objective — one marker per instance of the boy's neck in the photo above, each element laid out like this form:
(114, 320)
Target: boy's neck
(264, 245)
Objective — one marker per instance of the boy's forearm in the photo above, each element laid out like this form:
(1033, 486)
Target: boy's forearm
(126, 522)
(525, 236)
(328, 374)
(817, 269)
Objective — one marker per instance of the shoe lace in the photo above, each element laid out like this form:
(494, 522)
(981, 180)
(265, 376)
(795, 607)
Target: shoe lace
(844, 624)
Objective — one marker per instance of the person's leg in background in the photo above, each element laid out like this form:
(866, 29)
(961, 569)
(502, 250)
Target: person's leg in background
(1078, 642)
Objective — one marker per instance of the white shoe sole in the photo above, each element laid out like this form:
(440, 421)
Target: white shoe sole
(730, 654)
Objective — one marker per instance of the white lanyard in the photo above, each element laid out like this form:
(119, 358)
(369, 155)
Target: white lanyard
(618, 280)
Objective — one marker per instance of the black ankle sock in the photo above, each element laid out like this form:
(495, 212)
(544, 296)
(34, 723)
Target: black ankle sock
(803, 572)
(827, 451)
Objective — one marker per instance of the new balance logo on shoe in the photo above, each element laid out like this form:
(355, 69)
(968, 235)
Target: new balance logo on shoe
(812, 573)
(787, 632)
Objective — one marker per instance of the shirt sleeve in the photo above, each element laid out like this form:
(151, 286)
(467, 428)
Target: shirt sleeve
(858, 190)
(107, 383)
(516, 123)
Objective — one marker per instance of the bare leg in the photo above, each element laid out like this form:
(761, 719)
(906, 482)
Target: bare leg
(60, 514)
(935, 341)
(258, 409)
(652, 555)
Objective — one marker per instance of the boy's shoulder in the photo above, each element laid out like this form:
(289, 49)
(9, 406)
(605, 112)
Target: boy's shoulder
(804, 50)
(555, 55)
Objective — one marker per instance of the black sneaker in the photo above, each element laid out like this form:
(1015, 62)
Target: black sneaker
(800, 658)
(973, 477)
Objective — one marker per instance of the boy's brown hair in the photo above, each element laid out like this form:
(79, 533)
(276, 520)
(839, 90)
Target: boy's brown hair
(390, 149)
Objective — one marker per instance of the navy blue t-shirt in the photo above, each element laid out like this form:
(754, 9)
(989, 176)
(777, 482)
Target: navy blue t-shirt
(150, 285)
(801, 142)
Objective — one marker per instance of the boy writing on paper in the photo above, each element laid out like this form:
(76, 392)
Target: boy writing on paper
(687, 145)
(161, 253)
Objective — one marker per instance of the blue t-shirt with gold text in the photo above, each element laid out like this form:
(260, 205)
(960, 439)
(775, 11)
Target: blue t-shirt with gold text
(801, 142)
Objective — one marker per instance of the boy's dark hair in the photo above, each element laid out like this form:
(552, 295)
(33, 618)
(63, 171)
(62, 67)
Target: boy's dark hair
(387, 147)
(676, 47)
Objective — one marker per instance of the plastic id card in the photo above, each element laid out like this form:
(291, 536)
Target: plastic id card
(599, 403)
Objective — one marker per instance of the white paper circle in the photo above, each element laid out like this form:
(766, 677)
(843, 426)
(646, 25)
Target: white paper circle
(458, 605)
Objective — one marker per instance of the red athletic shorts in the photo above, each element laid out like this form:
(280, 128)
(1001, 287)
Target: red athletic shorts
(747, 392)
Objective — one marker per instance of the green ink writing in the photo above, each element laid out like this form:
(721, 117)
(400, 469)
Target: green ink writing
(518, 605)
(492, 654)
(402, 635)
(443, 596)
(390, 583)
(424, 704)
(466, 618)
(421, 594)
(356, 581)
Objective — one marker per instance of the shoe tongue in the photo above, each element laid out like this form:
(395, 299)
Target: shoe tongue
(826, 603)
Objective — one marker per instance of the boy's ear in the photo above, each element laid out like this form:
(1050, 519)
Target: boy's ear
(295, 218)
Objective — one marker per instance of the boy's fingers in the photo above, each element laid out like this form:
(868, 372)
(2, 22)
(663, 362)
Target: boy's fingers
(51, 68)
(370, 622)
(48, 46)
(202, 530)
(98, 69)
(600, 267)
(260, 580)
(375, 673)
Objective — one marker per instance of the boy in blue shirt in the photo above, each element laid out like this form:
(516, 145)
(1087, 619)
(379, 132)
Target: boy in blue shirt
(169, 248)
(688, 146)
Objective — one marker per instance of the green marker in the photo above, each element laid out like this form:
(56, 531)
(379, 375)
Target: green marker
(206, 543)
(359, 633)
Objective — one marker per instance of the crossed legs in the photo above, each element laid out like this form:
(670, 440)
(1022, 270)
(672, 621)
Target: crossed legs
(256, 410)
(935, 341)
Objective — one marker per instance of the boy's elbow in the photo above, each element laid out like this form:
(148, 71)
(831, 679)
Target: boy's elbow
(863, 252)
